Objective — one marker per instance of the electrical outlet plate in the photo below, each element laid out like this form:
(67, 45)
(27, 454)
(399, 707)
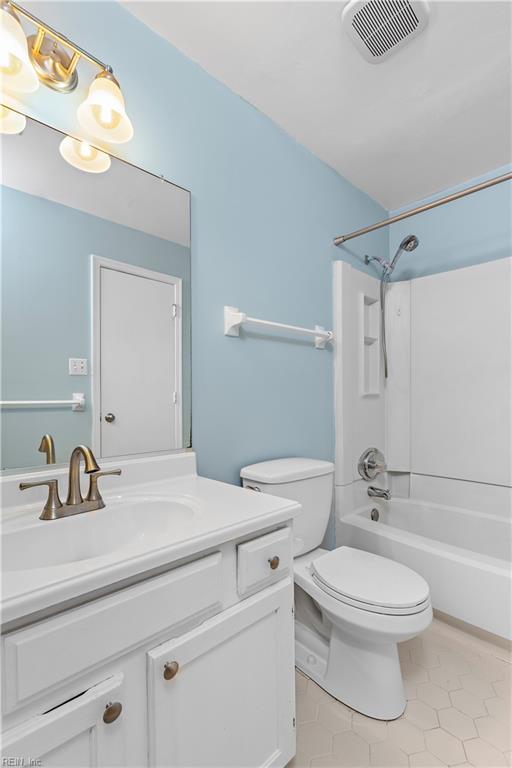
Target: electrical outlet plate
(77, 366)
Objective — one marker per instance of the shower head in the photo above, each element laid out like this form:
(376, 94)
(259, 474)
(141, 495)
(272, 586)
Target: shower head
(408, 244)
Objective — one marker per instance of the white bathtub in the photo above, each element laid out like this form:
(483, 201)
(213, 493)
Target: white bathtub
(465, 556)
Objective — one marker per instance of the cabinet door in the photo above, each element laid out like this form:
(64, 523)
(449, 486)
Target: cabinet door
(73, 734)
(231, 701)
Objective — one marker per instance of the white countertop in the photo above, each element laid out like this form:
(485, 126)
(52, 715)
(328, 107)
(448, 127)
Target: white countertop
(216, 513)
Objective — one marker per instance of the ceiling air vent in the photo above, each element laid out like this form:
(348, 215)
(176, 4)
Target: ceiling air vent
(379, 27)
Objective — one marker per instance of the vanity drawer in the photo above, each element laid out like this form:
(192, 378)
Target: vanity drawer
(264, 560)
(48, 653)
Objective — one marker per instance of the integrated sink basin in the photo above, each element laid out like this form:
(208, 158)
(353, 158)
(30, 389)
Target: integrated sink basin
(132, 523)
(158, 513)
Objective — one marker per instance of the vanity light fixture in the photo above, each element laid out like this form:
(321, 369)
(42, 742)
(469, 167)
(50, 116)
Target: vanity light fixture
(52, 59)
(103, 114)
(81, 155)
(16, 71)
(11, 121)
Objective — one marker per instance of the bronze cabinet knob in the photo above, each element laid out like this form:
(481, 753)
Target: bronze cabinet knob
(171, 669)
(112, 712)
(274, 562)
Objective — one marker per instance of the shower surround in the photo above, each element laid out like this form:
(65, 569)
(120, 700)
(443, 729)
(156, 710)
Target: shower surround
(443, 419)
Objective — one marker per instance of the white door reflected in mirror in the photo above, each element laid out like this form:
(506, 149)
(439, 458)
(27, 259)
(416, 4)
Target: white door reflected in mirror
(138, 336)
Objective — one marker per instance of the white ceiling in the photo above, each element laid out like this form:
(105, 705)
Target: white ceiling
(433, 115)
(30, 162)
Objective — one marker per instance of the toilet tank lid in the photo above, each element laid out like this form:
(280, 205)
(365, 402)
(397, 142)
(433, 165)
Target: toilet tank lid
(286, 470)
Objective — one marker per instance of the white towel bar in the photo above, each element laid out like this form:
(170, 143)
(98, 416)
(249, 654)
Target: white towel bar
(77, 403)
(233, 319)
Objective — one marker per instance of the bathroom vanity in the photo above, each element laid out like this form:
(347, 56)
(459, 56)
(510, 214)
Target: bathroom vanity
(156, 631)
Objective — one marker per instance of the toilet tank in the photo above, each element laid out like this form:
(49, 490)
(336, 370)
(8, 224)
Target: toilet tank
(308, 481)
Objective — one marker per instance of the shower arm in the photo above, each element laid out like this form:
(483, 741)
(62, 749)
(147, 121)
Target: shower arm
(386, 266)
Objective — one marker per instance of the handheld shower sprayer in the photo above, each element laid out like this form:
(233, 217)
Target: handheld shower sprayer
(407, 245)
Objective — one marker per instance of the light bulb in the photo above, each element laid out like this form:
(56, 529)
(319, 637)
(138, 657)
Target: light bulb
(5, 60)
(85, 150)
(16, 71)
(11, 121)
(106, 117)
(81, 155)
(103, 114)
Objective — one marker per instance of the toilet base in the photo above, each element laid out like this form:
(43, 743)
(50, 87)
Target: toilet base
(364, 676)
(352, 653)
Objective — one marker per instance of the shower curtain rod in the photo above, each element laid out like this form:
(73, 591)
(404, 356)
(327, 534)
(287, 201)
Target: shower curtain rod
(405, 215)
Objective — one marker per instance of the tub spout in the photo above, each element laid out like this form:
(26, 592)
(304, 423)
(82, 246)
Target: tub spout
(379, 493)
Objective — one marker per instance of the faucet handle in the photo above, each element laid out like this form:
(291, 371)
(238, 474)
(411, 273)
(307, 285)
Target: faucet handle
(371, 463)
(94, 492)
(53, 502)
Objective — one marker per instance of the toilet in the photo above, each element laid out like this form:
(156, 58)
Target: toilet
(351, 607)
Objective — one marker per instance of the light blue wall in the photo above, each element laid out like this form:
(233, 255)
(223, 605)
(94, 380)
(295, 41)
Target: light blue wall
(472, 230)
(264, 212)
(46, 265)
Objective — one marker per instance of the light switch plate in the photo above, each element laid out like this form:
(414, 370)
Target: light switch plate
(77, 366)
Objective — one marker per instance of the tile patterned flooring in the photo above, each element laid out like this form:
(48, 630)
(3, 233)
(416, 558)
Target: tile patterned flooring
(458, 711)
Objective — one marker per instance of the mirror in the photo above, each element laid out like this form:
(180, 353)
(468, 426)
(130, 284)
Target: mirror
(96, 300)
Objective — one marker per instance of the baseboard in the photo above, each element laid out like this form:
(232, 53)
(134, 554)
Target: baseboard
(477, 632)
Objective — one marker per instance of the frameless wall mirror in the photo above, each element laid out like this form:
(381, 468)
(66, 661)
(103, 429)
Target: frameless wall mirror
(95, 307)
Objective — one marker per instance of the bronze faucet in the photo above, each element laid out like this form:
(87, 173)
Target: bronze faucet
(54, 508)
(91, 465)
(47, 446)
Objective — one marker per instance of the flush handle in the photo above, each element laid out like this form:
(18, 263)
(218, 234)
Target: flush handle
(112, 712)
(110, 418)
(274, 562)
(171, 669)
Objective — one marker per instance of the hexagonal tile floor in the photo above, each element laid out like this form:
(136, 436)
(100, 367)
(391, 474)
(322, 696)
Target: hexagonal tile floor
(458, 711)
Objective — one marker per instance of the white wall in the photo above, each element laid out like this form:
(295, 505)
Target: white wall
(398, 383)
(461, 382)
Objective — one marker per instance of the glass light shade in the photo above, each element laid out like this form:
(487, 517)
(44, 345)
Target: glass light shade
(16, 71)
(10, 121)
(103, 114)
(81, 155)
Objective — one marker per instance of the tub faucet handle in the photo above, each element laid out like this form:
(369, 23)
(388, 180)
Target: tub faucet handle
(371, 463)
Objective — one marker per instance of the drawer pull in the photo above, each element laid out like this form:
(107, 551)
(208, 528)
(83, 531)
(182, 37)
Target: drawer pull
(112, 712)
(274, 562)
(171, 670)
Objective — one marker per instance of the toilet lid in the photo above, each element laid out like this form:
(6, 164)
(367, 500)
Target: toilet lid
(370, 579)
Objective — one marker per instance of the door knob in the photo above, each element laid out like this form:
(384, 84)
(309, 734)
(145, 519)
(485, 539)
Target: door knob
(110, 417)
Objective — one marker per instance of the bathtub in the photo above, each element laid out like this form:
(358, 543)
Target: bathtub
(465, 556)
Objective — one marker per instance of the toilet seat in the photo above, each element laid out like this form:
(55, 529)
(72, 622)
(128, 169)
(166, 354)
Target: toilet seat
(370, 582)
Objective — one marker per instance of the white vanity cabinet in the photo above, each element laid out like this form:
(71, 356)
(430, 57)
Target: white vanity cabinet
(223, 694)
(88, 730)
(181, 669)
